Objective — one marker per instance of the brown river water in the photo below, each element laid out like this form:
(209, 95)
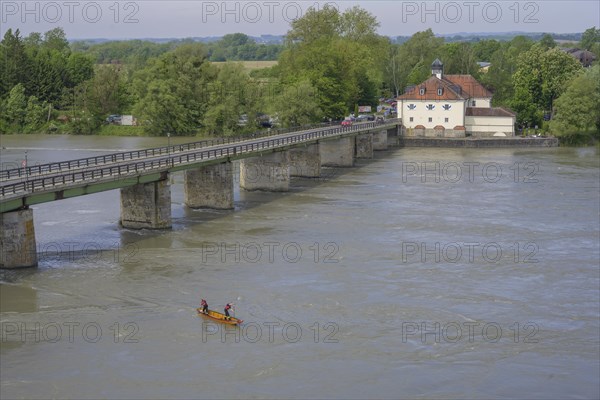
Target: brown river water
(422, 273)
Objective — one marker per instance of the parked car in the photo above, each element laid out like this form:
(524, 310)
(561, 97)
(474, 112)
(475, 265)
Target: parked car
(346, 122)
(113, 119)
(365, 117)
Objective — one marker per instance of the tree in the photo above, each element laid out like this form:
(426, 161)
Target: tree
(459, 58)
(80, 68)
(172, 90)
(231, 95)
(392, 70)
(419, 73)
(547, 41)
(590, 40)
(339, 54)
(16, 107)
(56, 39)
(540, 78)
(485, 49)
(104, 94)
(415, 57)
(15, 65)
(314, 26)
(296, 105)
(35, 115)
(503, 65)
(578, 108)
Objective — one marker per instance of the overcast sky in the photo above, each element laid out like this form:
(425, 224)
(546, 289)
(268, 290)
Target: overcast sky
(179, 19)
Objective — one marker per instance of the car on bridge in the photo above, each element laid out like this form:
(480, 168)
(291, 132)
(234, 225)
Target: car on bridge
(347, 122)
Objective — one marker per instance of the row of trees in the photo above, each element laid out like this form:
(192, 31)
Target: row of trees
(331, 62)
(231, 47)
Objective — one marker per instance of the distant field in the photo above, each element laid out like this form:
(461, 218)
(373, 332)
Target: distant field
(250, 65)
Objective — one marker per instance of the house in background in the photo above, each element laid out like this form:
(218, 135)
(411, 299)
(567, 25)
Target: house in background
(586, 58)
(452, 106)
(484, 66)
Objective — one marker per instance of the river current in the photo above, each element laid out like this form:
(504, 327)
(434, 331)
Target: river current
(422, 273)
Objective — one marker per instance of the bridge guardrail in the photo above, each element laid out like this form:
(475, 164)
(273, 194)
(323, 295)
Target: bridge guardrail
(124, 170)
(60, 166)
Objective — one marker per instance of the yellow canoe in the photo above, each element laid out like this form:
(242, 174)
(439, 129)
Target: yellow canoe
(217, 316)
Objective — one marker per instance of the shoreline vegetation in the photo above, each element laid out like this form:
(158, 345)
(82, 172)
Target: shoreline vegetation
(232, 86)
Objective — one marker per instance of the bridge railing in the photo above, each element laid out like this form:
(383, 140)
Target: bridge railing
(57, 167)
(169, 161)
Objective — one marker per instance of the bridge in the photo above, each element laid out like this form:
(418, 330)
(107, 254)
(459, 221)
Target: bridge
(266, 163)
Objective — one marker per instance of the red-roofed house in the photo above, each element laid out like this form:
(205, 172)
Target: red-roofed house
(452, 106)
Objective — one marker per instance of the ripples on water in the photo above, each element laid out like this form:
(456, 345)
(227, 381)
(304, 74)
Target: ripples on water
(364, 286)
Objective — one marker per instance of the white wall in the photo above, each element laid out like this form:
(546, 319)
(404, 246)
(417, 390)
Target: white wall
(421, 114)
(480, 102)
(490, 125)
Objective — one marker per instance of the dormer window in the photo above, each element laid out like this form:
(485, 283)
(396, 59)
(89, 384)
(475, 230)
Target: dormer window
(422, 91)
(440, 91)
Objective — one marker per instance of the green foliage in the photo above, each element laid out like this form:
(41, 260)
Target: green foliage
(16, 108)
(35, 115)
(411, 62)
(485, 49)
(80, 68)
(230, 96)
(15, 65)
(120, 130)
(547, 42)
(419, 73)
(104, 94)
(240, 47)
(459, 58)
(171, 91)
(503, 65)
(56, 40)
(578, 108)
(339, 54)
(84, 123)
(135, 52)
(540, 78)
(296, 105)
(590, 40)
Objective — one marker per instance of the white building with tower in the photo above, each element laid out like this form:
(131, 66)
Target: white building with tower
(452, 106)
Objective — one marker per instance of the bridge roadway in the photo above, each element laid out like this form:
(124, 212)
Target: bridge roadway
(22, 187)
(37, 170)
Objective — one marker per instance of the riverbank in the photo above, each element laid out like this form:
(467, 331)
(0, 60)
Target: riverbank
(478, 142)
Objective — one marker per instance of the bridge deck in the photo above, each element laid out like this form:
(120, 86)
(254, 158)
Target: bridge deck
(85, 176)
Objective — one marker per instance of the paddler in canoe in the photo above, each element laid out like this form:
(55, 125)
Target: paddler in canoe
(204, 306)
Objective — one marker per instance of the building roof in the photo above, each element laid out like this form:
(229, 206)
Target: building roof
(489, 112)
(431, 86)
(455, 87)
(469, 85)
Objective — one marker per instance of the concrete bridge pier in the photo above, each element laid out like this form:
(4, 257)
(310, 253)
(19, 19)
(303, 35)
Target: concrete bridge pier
(392, 136)
(364, 145)
(17, 240)
(270, 172)
(305, 162)
(147, 205)
(380, 140)
(337, 152)
(209, 187)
